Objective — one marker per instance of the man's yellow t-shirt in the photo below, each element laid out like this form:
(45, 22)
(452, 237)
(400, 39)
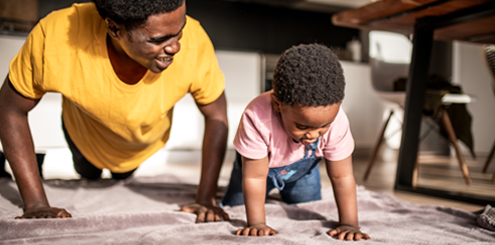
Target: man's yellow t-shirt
(115, 125)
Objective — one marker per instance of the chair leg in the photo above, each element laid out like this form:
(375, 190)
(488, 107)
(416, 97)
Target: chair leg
(453, 139)
(489, 159)
(377, 147)
(415, 174)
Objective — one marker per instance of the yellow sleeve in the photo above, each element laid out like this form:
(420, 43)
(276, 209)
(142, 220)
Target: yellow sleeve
(26, 69)
(210, 82)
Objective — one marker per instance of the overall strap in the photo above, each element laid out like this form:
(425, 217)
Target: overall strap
(312, 147)
(278, 182)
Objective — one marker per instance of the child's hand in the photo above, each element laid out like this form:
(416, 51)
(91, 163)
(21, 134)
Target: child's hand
(44, 212)
(348, 232)
(256, 230)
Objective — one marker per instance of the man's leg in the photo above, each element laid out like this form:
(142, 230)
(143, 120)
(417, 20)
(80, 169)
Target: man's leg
(3, 173)
(233, 195)
(82, 166)
(85, 168)
(40, 157)
(121, 176)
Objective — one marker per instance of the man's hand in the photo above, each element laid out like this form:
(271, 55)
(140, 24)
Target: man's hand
(206, 213)
(348, 232)
(256, 230)
(44, 212)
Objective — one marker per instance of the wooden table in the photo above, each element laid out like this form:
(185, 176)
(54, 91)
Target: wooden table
(426, 20)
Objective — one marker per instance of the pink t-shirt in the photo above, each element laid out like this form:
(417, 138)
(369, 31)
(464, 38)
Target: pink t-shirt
(260, 133)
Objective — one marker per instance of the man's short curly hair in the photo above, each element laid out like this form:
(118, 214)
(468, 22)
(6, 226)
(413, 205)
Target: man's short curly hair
(134, 13)
(310, 75)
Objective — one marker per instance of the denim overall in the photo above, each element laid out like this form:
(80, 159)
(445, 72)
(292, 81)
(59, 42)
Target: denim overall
(297, 182)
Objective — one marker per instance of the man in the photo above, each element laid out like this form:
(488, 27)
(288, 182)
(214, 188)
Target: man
(118, 66)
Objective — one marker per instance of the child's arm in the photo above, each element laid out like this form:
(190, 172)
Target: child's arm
(344, 188)
(254, 174)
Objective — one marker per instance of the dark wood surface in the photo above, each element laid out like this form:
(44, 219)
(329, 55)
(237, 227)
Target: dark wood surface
(401, 15)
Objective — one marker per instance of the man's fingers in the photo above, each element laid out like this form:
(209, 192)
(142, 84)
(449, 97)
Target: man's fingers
(210, 216)
(225, 216)
(62, 213)
(217, 218)
(186, 209)
(201, 217)
(205, 214)
(65, 215)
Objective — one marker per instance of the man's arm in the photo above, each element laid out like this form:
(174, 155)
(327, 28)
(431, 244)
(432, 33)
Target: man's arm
(213, 152)
(18, 147)
(344, 187)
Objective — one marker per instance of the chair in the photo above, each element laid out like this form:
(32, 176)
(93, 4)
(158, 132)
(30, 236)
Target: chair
(489, 53)
(386, 66)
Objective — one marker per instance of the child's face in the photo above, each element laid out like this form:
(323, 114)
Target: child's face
(305, 124)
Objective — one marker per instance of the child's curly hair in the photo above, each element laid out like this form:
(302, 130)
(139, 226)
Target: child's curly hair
(131, 13)
(310, 75)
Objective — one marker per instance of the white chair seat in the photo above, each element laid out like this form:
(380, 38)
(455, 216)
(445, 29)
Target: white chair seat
(458, 99)
(395, 97)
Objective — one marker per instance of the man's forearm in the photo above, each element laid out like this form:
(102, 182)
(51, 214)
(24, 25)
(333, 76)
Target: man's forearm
(19, 150)
(213, 152)
(18, 144)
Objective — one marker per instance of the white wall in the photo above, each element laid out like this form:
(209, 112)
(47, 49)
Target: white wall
(470, 71)
(9, 46)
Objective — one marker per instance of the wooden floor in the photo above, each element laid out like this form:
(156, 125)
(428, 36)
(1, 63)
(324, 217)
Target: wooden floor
(438, 172)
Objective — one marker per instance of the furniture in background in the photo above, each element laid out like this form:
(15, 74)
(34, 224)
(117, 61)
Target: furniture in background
(389, 60)
(489, 53)
(426, 20)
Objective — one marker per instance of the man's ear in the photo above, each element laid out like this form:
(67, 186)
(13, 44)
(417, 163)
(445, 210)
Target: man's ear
(113, 29)
(275, 103)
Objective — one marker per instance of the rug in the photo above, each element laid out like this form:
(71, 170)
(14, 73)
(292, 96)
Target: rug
(144, 210)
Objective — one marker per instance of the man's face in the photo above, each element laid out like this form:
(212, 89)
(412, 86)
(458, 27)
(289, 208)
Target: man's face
(305, 124)
(154, 44)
